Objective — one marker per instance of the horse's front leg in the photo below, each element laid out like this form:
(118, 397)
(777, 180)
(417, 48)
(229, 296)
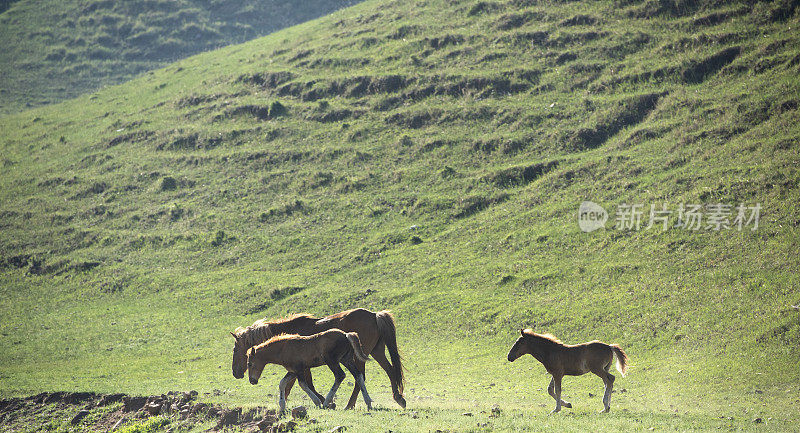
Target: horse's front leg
(555, 383)
(282, 391)
(551, 391)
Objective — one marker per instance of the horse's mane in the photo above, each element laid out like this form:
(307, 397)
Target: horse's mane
(280, 337)
(258, 332)
(274, 339)
(549, 338)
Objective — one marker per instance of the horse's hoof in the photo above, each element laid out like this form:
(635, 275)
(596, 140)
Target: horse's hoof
(331, 405)
(400, 400)
(605, 410)
(567, 405)
(554, 411)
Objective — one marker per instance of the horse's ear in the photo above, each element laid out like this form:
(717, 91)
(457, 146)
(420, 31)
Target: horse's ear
(235, 336)
(522, 331)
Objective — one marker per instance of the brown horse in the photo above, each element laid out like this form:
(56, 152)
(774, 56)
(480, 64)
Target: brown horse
(300, 353)
(570, 360)
(376, 331)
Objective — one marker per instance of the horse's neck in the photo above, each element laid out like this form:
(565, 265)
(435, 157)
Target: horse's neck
(270, 354)
(542, 352)
(283, 352)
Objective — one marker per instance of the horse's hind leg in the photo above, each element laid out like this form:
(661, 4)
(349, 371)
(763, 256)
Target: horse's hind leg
(309, 380)
(354, 396)
(358, 374)
(338, 377)
(551, 391)
(378, 353)
(311, 393)
(608, 382)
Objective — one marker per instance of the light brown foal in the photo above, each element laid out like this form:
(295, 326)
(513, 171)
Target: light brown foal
(571, 360)
(300, 353)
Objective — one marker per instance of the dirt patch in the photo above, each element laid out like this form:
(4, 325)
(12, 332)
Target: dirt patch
(94, 412)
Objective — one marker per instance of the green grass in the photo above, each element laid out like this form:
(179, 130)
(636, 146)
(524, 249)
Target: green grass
(57, 50)
(142, 223)
(153, 424)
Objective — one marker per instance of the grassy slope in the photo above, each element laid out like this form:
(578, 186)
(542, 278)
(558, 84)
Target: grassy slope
(56, 50)
(649, 104)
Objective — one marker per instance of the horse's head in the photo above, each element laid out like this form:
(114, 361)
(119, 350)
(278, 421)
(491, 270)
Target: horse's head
(239, 354)
(520, 346)
(254, 366)
(245, 339)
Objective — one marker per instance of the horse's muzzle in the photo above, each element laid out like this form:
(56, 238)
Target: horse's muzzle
(253, 381)
(511, 358)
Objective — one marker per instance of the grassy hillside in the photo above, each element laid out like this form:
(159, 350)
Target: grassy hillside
(428, 159)
(56, 50)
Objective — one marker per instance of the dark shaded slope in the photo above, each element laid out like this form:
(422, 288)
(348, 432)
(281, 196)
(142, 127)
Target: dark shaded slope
(53, 50)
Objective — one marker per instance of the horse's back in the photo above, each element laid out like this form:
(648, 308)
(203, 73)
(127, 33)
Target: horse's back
(348, 316)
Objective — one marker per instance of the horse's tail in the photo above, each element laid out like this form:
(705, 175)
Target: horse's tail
(386, 330)
(622, 358)
(356, 343)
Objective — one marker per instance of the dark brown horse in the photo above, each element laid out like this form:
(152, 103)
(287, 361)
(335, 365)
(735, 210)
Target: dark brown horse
(570, 360)
(375, 330)
(300, 353)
